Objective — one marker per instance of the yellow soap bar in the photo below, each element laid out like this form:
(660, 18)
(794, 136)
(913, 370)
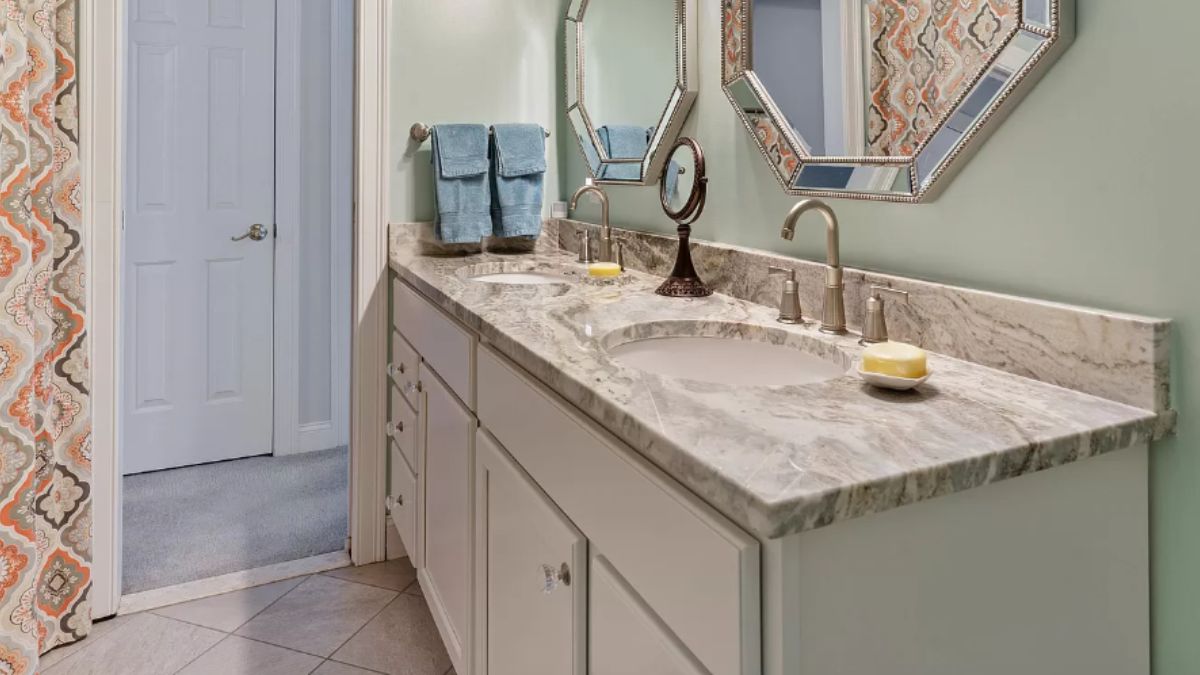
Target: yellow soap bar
(604, 269)
(896, 359)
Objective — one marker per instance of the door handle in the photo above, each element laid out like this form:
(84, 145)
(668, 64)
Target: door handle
(257, 232)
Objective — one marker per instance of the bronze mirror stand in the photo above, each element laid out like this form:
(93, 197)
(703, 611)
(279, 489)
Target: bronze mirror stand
(684, 282)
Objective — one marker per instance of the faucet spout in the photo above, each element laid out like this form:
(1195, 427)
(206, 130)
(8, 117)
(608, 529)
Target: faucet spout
(833, 314)
(832, 245)
(601, 196)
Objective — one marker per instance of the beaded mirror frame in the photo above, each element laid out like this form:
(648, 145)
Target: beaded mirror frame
(1040, 31)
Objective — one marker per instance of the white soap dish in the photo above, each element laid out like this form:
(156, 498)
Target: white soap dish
(891, 381)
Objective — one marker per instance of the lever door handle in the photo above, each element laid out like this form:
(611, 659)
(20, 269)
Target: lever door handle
(257, 232)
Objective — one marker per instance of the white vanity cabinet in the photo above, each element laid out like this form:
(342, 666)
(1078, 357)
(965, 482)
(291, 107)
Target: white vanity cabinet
(531, 585)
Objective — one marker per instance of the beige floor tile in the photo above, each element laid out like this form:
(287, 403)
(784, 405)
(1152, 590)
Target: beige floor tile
(239, 656)
(402, 640)
(317, 616)
(395, 575)
(228, 611)
(335, 668)
(146, 644)
(99, 630)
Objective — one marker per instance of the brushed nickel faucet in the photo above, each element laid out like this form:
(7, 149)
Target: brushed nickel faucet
(606, 239)
(833, 313)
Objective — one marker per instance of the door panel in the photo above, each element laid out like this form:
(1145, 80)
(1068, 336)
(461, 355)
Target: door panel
(625, 635)
(447, 465)
(531, 574)
(198, 306)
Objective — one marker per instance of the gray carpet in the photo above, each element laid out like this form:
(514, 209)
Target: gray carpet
(204, 521)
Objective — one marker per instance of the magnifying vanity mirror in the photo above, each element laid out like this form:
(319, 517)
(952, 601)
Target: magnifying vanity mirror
(683, 190)
(878, 99)
(630, 83)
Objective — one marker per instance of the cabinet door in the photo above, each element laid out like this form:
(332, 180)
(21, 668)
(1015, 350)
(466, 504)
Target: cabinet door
(447, 467)
(531, 574)
(625, 635)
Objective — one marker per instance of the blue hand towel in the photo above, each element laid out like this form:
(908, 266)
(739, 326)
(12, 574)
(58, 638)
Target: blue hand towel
(460, 160)
(623, 141)
(518, 172)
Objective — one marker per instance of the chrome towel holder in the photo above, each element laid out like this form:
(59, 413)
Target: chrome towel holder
(420, 132)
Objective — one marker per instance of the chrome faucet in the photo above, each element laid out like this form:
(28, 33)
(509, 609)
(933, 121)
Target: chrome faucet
(833, 314)
(606, 238)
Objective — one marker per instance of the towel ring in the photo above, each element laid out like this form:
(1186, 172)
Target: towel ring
(420, 132)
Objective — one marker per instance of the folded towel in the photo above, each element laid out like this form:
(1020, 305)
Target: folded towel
(623, 141)
(460, 160)
(518, 172)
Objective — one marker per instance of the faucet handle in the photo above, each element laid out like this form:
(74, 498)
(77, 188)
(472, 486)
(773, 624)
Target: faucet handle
(789, 303)
(585, 246)
(875, 327)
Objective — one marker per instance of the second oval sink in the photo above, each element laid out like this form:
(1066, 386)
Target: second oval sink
(727, 353)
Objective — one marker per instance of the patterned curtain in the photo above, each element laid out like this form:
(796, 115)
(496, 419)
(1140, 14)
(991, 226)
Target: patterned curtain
(923, 55)
(45, 433)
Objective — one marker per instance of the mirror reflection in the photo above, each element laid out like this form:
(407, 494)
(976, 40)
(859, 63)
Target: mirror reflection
(625, 66)
(872, 78)
(875, 97)
(679, 179)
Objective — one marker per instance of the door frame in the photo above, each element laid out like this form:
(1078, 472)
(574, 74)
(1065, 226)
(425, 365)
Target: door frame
(102, 113)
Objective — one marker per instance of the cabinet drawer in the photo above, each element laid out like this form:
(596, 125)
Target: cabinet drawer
(404, 507)
(403, 368)
(695, 570)
(402, 428)
(441, 342)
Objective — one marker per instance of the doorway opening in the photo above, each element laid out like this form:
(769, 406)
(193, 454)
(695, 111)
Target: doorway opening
(236, 326)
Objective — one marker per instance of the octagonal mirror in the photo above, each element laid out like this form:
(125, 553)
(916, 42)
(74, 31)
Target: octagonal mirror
(630, 83)
(881, 99)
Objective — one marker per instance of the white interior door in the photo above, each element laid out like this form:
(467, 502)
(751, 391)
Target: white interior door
(200, 171)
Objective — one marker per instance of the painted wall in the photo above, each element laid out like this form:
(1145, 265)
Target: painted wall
(482, 61)
(1084, 195)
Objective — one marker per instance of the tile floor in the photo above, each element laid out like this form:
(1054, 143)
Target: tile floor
(351, 621)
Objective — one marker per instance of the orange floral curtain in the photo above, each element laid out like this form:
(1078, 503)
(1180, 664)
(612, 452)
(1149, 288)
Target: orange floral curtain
(45, 433)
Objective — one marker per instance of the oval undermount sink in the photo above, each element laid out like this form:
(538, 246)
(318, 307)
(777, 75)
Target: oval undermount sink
(516, 274)
(521, 278)
(727, 353)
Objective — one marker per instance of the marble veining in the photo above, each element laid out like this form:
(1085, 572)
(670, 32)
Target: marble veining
(781, 459)
(1117, 356)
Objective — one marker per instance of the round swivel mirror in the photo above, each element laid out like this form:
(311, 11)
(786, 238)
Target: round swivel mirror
(683, 191)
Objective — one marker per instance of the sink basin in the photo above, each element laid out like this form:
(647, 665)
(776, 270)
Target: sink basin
(522, 278)
(727, 353)
(517, 274)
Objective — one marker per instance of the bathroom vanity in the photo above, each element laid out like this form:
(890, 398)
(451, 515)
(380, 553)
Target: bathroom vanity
(568, 513)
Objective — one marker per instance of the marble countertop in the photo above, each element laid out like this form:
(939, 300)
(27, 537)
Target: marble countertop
(781, 459)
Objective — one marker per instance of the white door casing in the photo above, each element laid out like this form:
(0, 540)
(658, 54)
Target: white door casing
(200, 171)
(103, 112)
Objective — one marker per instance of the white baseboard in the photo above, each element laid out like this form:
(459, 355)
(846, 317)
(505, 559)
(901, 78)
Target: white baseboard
(234, 581)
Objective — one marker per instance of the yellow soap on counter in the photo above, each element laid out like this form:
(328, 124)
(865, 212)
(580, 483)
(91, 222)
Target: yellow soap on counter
(604, 269)
(896, 359)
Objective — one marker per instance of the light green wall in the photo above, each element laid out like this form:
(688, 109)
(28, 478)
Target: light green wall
(474, 61)
(1086, 194)
(1081, 196)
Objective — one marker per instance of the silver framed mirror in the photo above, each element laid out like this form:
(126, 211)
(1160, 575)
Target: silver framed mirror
(631, 82)
(881, 99)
